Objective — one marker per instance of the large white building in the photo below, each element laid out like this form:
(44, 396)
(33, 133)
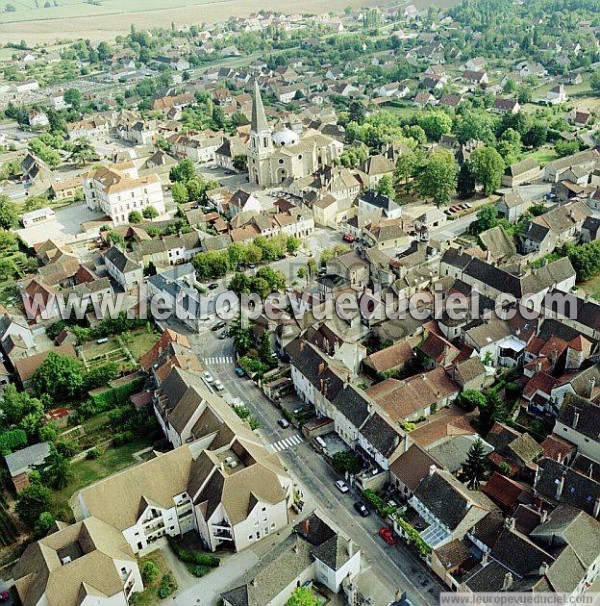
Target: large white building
(118, 190)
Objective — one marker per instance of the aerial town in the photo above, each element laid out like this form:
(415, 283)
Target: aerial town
(301, 309)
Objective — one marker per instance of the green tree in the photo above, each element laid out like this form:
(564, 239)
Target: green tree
(292, 244)
(73, 97)
(346, 462)
(566, 148)
(150, 212)
(303, 596)
(32, 502)
(135, 216)
(44, 524)
(470, 399)
(301, 273)
(149, 572)
(83, 151)
(438, 179)
(385, 187)
(15, 405)
(476, 126)
(435, 124)
(240, 162)
(488, 168)
(180, 193)
(487, 217)
(595, 81)
(475, 467)
(60, 376)
(56, 470)
(405, 168)
(9, 215)
(465, 182)
(182, 173)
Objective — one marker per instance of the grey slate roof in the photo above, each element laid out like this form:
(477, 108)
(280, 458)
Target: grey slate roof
(23, 460)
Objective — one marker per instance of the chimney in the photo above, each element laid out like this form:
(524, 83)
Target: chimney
(543, 569)
(321, 368)
(596, 508)
(509, 523)
(306, 526)
(350, 548)
(254, 583)
(591, 385)
(560, 487)
(400, 595)
(554, 356)
(432, 469)
(485, 558)
(295, 548)
(508, 581)
(544, 516)
(575, 419)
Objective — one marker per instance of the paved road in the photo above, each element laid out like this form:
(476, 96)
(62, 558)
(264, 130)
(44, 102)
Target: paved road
(395, 567)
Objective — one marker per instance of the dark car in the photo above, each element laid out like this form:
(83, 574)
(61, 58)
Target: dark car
(213, 286)
(239, 371)
(218, 326)
(361, 508)
(283, 423)
(223, 335)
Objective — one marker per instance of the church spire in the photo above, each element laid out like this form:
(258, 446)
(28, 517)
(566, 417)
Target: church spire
(259, 118)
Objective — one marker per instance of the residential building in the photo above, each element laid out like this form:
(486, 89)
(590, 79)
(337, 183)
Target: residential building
(126, 272)
(118, 190)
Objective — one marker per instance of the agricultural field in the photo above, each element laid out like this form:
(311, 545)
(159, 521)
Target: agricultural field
(76, 19)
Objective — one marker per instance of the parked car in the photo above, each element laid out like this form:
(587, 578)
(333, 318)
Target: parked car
(213, 286)
(251, 265)
(4, 595)
(283, 423)
(239, 371)
(218, 326)
(361, 508)
(454, 209)
(348, 238)
(218, 385)
(208, 377)
(388, 536)
(223, 335)
(341, 486)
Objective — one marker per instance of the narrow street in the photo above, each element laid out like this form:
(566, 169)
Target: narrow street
(395, 567)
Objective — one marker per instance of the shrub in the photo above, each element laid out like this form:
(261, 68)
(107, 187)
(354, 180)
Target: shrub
(123, 438)
(199, 571)
(149, 571)
(168, 585)
(92, 454)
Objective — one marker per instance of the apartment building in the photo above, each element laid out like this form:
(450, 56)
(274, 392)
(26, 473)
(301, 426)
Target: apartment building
(118, 190)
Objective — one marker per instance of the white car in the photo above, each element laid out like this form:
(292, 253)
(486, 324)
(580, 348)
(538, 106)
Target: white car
(208, 377)
(342, 486)
(218, 385)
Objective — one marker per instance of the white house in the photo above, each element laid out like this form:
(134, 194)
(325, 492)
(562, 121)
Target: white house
(123, 269)
(118, 190)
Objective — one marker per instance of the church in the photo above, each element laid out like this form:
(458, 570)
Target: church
(276, 156)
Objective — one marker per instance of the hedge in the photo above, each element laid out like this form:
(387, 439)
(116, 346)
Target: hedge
(112, 397)
(196, 558)
(414, 537)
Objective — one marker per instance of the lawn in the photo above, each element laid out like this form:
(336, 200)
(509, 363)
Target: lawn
(88, 472)
(592, 287)
(544, 155)
(140, 342)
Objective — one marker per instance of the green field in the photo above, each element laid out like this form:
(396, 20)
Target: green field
(87, 472)
(592, 287)
(68, 9)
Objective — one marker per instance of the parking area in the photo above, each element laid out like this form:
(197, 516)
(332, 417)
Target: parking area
(68, 223)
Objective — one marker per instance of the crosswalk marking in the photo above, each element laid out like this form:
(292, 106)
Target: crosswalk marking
(285, 443)
(219, 360)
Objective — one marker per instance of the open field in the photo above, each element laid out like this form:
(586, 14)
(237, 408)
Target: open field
(591, 288)
(74, 19)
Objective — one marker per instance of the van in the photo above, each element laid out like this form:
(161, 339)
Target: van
(321, 442)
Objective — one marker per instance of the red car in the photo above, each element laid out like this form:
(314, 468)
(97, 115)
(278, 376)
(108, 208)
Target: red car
(388, 536)
(348, 238)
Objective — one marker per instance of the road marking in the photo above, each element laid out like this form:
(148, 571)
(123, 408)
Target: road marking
(285, 443)
(219, 360)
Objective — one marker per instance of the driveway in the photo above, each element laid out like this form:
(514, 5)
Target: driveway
(207, 590)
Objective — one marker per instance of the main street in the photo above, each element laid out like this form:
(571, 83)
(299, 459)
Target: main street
(395, 567)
